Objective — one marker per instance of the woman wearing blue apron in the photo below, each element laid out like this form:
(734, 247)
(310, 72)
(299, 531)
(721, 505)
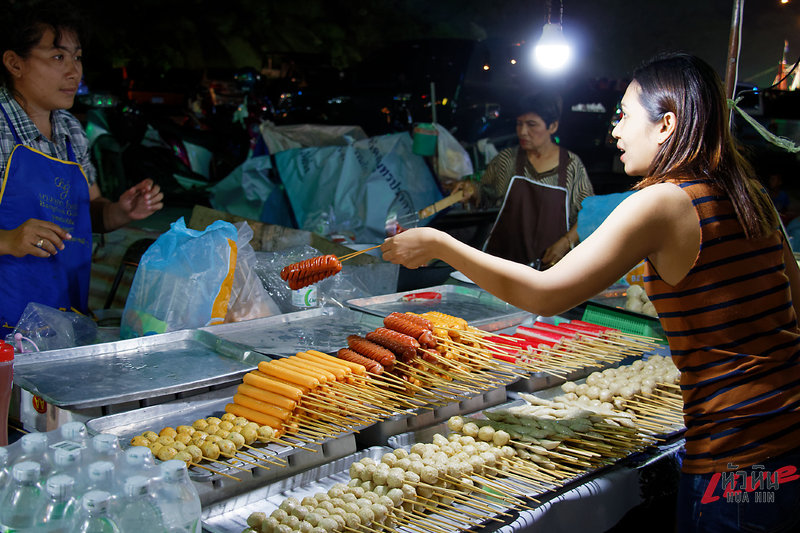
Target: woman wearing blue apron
(49, 201)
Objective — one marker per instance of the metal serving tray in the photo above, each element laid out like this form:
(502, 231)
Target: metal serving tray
(473, 304)
(230, 515)
(212, 486)
(133, 369)
(381, 432)
(324, 329)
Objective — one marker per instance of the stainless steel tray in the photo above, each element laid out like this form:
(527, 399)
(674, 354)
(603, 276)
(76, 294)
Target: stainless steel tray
(212, 486)
(230, 515)
(324, 329)
(473, 304)
(379, 433)
(133, 369)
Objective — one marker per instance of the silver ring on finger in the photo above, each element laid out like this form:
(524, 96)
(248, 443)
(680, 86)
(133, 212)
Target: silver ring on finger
(39, 243)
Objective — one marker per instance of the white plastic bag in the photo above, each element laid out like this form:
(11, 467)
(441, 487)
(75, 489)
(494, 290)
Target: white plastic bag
(184, 281)
(453, 161)
(249, 298)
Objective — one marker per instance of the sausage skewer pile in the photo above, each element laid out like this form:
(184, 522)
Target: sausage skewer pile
(407, 347)
(310, 271)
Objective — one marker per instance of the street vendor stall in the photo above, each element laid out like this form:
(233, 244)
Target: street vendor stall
(181, 384)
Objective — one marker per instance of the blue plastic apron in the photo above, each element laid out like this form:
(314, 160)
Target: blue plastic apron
(36, 185)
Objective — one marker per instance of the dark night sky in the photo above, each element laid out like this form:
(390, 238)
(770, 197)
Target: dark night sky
(611, 36)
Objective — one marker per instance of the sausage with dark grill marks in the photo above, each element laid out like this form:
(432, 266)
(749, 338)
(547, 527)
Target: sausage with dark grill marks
(370, 350)
(419, 320)
(309, 271)
(373, 367)
(404, 346)
(402, 323)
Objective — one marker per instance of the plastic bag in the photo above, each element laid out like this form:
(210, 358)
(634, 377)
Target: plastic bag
(453, 161)
(249, 298)
(354, 185)
(42, 328)
(184, 280)
(354, 281)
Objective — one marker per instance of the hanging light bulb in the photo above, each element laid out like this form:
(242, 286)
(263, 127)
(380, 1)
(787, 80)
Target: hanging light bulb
(552, 53)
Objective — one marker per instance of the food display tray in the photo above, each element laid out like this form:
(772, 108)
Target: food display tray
(133, 369)
(478, 307)
(379, 433)
(324, 329)
(230, 515)
(212, 486)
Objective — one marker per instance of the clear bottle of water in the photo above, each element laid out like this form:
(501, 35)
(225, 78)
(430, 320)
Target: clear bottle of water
(5, 474)
(75, 432)
(178, 499)
(100, 476)
(59, 510)
(71, 437)
(105, 447)
(67, 462)
(34, 448)
(95, 515)
(18, 509)
(138, 461)
(138, 508)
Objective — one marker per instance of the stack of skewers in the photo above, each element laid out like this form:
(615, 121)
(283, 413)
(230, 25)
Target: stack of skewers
(413, 362)
(487, 466)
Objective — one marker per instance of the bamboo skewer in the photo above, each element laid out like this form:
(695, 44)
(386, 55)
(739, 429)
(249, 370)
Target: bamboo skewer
(214, 471)
(268, 456)
(234, 456)
(435, 506)
(425, 517)
(351, 255)
(225, 463)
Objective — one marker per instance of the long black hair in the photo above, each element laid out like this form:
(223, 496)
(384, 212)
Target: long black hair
(702, 145)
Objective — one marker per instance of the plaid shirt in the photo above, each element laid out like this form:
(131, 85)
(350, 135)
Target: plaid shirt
(64, 126)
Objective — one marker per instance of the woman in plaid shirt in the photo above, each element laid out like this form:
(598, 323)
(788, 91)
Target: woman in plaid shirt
(49, 201)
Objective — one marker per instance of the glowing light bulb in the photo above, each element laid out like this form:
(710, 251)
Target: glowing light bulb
(552, 52)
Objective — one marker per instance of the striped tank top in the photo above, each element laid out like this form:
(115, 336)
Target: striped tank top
(734, 335)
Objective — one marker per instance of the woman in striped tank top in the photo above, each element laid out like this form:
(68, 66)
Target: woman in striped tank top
(721, 276)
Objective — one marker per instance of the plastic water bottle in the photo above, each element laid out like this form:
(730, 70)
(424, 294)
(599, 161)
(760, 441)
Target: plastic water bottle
(138, 461)
(34, 448)
(5, 474)
(100, 476)
(75, 432)
(20, 505)
(60, 508)
(67, 462)
(305, 298)
(105, 447)
(95, 515)
(138, 508)
(178, 499)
